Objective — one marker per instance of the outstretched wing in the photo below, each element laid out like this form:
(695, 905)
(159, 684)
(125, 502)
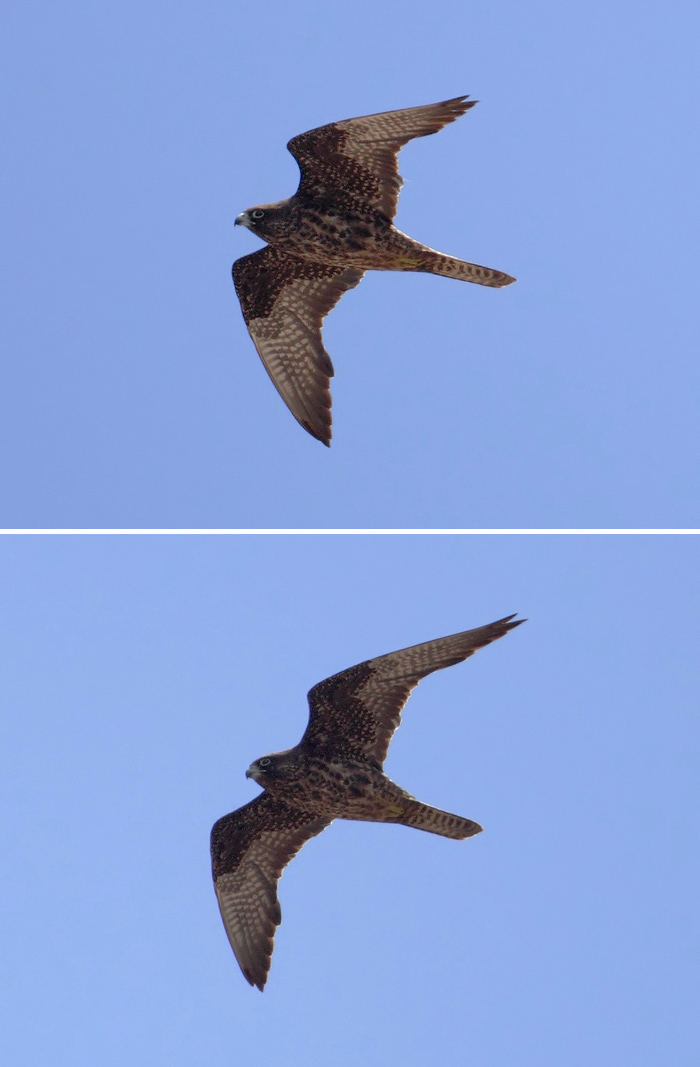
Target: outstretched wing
(356, 712)
(249, 850)
(354, 162)
(284, 301)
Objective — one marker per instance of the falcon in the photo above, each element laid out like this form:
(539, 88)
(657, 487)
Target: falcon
(335, 772)
(321, 241)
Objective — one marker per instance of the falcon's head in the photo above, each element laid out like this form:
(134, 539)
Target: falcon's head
(268, 768)
(267, 220)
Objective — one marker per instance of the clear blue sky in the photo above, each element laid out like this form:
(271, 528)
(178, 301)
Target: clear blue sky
(131, 393)
(140, 677)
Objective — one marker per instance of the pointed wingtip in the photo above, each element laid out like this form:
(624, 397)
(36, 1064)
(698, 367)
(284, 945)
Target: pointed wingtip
(258, 983)
(509, 622)
(324, 435)
(462, 101)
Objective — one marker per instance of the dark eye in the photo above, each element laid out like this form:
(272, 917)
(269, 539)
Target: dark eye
(265, 760)
(257, 215)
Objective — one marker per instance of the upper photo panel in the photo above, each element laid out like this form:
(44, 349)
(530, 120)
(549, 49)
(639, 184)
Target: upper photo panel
(148, 153)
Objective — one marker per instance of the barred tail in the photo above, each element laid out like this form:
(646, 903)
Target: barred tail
(449, 267)
(411, 255)
(423, 817)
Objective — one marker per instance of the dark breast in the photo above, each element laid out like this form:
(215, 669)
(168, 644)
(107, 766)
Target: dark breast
(327, 233)
(333, 787)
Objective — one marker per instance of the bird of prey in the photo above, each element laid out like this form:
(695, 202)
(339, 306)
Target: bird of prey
(320, 242)
(335, 772)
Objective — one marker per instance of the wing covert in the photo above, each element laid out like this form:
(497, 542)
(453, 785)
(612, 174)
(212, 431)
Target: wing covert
(284, 301)
(357, 711)
(355, 161)
(249, 850)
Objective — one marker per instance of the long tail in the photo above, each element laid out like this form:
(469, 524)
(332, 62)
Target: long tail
(423, 817)
(413, 256)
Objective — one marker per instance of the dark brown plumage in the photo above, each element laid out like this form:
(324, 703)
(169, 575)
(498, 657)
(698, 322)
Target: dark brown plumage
(322, 240)
(335, 772)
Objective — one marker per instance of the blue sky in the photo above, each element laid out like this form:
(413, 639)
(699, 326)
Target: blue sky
(140, 677)
(132, 395)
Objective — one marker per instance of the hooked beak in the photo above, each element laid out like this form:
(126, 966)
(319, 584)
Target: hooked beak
(242, 219)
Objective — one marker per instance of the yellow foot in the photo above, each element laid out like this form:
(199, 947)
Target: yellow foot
(394, 812)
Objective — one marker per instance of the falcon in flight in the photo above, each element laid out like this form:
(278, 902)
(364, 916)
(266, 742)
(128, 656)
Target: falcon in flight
(322, 240)
(335, 772)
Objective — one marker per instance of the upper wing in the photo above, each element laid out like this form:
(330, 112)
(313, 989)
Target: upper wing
(249, 849)
(284, 301)
(355, 161)
(357, 711)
